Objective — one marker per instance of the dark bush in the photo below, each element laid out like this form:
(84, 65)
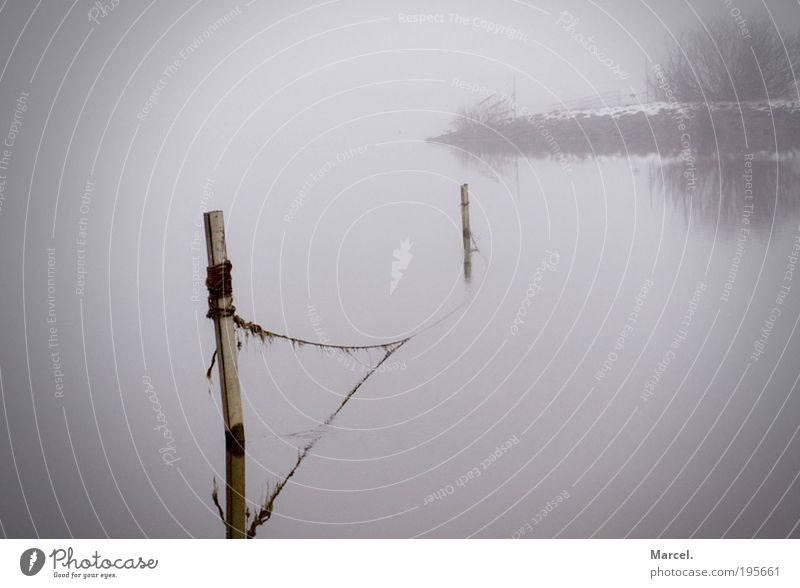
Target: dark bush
(723, 62)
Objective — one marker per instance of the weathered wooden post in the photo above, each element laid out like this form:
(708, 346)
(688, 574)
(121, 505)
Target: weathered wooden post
(221, 310)
(466, 231)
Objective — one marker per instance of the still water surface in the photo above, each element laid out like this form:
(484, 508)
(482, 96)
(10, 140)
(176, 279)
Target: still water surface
(612, 368)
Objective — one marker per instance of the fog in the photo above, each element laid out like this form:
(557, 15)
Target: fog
(619, 365)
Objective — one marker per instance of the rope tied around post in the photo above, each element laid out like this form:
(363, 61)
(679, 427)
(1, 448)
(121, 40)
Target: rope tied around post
(220, 285)
(220, 310)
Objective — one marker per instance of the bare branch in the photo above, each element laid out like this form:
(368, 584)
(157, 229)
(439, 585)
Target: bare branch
(720, 63)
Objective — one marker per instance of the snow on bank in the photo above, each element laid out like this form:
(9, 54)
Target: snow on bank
(666, 108)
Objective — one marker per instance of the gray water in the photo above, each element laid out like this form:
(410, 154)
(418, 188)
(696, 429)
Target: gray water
(615, 367)
(602, 333)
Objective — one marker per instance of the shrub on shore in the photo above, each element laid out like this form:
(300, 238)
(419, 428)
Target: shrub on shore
(721, 63)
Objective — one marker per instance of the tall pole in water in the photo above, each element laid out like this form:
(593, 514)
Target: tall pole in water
(221, 309)
(467, 234)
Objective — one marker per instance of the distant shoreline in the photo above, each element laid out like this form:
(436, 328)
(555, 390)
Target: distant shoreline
(668, 129)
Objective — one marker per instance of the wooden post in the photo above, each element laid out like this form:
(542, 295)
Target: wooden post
(466, 232)
(221, 311)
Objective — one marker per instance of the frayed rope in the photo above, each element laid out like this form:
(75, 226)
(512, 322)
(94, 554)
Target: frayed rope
(265, 512)
(266, 336)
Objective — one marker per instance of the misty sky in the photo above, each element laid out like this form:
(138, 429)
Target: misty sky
(123, 126)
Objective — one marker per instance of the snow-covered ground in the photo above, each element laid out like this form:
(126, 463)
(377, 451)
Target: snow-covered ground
(657, 108)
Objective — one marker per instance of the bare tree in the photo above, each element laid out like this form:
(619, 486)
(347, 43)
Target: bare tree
(492, 111)
(720, 63)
